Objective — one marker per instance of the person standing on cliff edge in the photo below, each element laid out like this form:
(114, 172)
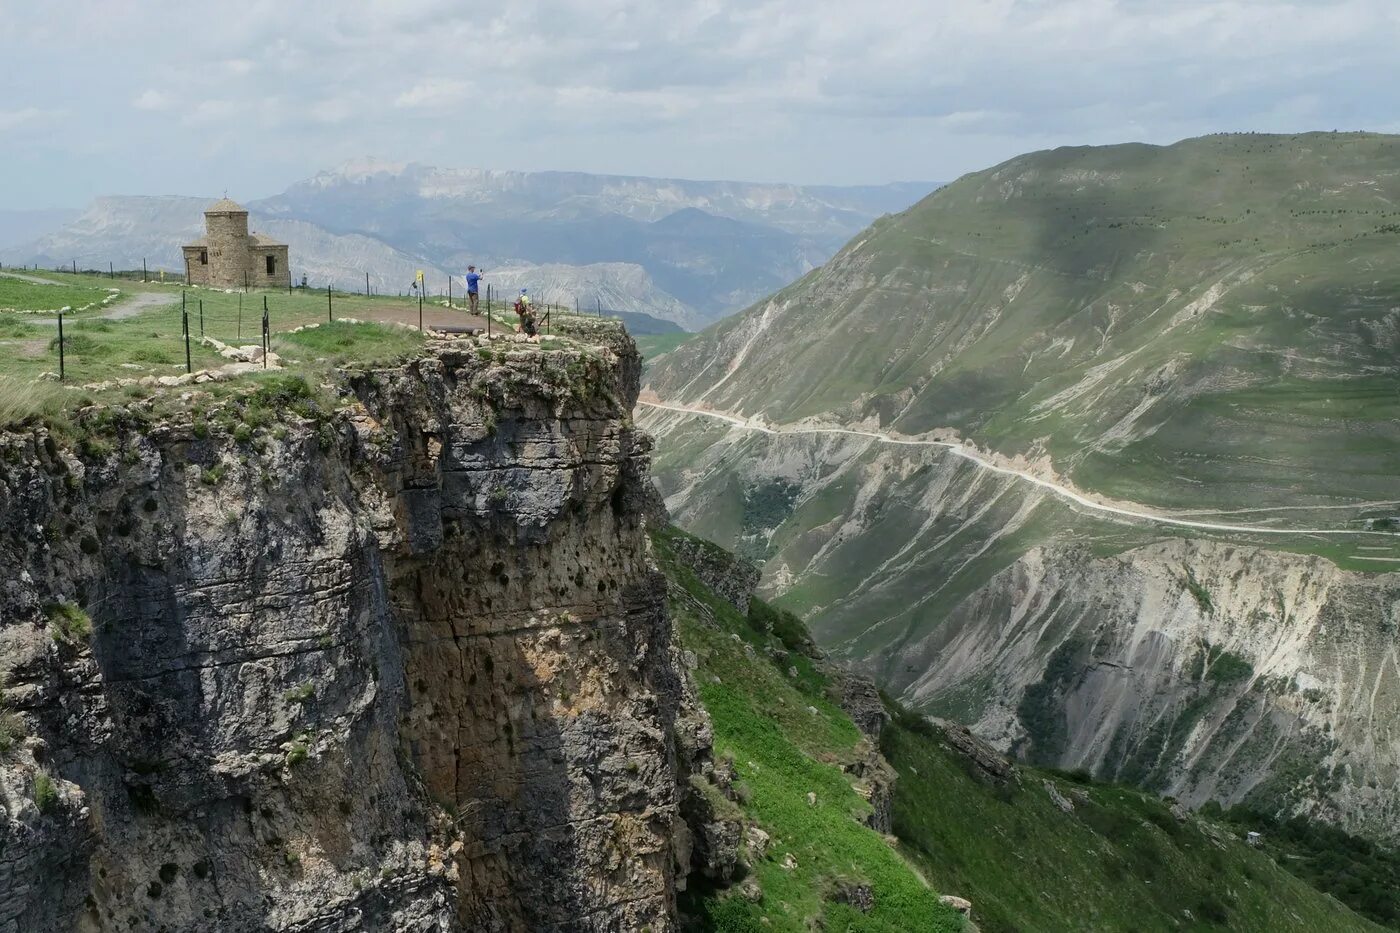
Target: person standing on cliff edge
(473, 287)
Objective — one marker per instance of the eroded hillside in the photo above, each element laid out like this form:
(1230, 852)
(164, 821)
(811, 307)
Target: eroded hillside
(1163, 376)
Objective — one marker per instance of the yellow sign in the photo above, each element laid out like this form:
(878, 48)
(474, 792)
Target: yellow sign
(420, 275)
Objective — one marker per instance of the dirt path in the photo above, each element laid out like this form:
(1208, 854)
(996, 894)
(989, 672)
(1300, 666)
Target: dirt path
(1062, 491)
(123, 309)
(31, 279)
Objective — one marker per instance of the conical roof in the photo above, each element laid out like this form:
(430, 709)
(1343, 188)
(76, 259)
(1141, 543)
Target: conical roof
(226, 206)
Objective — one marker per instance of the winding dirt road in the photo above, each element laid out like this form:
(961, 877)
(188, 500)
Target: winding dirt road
(1057, 489)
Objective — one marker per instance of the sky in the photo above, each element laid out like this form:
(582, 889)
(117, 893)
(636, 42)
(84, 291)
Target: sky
(156, 97)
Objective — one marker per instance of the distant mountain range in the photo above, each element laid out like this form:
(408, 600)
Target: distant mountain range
(684, 251)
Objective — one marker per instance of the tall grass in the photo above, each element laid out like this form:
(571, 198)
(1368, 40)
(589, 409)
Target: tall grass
(26, 400)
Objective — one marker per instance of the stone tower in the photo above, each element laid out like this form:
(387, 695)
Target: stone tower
(226, 231)
(228, 256)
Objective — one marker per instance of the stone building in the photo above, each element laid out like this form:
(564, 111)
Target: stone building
(228, 256)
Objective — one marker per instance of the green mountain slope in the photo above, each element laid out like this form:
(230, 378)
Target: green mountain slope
(1210, 324)
(963, 819)
(1208, 331)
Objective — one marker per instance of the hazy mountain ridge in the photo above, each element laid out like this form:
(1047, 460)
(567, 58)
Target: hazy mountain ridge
(1207, 326)
(713, 246)
(128, 230)
(699, 249)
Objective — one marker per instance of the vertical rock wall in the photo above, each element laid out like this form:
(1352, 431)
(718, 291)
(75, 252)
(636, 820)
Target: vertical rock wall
(405, 666)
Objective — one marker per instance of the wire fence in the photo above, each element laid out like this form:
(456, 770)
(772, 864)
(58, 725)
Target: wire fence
(448, 289)
(232, 313)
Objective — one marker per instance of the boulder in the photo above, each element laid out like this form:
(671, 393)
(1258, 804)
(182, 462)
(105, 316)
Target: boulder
(757, 841)
(961, 904)
(855, 894)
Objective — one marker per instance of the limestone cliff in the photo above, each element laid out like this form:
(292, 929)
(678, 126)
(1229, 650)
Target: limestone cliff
(400, 662)
(1201, 670)
(1208, 670)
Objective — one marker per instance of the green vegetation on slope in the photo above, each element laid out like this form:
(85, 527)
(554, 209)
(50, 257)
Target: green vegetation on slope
(1209, 324)
(786, 739)
(1118, 860)
(653, 345)
(1361, 874)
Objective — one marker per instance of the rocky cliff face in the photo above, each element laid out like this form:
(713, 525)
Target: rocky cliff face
(1201, 670)
(404, 665)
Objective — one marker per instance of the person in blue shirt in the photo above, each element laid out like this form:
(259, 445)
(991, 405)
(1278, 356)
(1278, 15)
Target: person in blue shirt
(473, 287)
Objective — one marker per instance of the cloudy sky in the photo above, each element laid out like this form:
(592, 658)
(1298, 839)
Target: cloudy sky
(152, 97)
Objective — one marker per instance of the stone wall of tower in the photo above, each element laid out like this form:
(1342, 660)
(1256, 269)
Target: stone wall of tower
(197, 271)
(229, 258)
(258, 275)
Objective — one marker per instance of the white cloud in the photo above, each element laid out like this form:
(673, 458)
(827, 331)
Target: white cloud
(805, 90)
(152, 99)
(12, 119)
(215, 110)
(434, 92)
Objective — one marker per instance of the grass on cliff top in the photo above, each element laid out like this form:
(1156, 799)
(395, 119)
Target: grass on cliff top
(764, 720)
(1118, 862)
(151, 343)
(17, 295)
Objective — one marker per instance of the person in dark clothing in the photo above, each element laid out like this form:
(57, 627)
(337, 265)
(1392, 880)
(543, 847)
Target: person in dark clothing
(473, 287)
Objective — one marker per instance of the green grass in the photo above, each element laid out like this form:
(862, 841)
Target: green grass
(343, 343)
(1119, 861)
(654, 345)
(69, 624)
(1356, 871)
(17, 295)
(45, 792)
(98, 351)
(763, 721)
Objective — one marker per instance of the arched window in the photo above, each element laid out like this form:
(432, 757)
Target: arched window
(271, 264)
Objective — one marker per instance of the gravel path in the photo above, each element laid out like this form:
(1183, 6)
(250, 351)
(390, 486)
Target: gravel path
(129, 307)
(31, 279)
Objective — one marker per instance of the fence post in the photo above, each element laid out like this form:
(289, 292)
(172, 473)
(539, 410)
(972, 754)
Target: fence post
(420, 310)
(61, 372)
(185, 325)
(266, 338)
(201, 319)
(366, 284)
(75, 267)
(111, 272)
(330, 315)
(449, 290)
(143, 270)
